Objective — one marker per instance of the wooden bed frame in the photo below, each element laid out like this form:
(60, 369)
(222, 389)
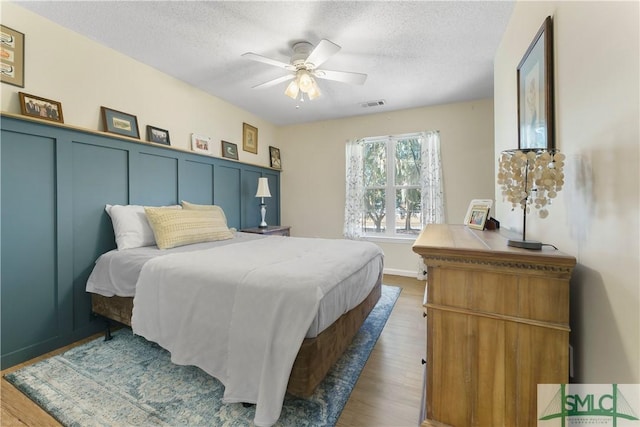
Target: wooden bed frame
(316, 355)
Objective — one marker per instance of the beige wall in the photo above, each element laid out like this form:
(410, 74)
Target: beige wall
(597, 214)
(83, 75)
(313, 159)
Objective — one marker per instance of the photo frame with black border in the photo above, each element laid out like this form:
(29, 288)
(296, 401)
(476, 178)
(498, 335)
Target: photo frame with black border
(41, 108)
(274, 158)
(119, 123)
(536, 122)
(229, 150)
(158, 136)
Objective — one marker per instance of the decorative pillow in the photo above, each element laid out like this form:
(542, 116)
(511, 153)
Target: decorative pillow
(130, 225)
(187, 205)
(173, 228)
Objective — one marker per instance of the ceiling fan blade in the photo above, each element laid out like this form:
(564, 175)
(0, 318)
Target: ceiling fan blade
(274, 82)
(264, 59)
(322, 52)
(341, 76)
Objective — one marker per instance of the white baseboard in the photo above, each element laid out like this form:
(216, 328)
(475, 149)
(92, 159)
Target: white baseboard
(396, 272)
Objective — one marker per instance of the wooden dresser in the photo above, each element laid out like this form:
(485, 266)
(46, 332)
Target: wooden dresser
(497, 325)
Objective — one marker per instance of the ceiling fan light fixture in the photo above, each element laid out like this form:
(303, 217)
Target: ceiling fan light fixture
(303, 67)
(305, 81)
(314, 92)
(292, 89)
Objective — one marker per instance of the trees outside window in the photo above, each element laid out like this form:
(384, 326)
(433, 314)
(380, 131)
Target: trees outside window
(392, 196)
(393, 186)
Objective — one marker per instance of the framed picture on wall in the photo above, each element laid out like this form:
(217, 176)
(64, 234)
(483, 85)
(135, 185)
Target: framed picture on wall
(535, 92)
(12, 56)
(229, 150)
(42, 108)
(274, 158)
(200, 144)
(157, 135)
(120, 123)
(249, 138)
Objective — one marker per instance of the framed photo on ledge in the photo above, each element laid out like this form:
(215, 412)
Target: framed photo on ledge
(200, 144)
(34, 106)
(229, 150)
(120, 123)
(535, 92)
(157, 135)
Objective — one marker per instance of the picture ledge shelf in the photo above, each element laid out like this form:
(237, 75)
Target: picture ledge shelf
(124, 138)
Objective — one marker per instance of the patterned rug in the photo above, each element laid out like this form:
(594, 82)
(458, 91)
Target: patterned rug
(129, 381)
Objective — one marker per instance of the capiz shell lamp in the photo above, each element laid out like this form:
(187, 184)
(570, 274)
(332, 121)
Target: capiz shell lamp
(530, 178)
(263, 191)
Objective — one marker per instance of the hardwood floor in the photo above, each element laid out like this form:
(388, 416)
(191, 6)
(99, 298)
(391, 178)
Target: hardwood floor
(388, 392)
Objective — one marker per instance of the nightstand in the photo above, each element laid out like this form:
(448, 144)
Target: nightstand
(271, 230)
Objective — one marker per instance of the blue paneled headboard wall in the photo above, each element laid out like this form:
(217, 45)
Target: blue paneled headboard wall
(55, 182)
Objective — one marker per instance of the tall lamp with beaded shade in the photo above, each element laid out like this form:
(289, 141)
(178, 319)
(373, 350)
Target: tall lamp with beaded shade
(530, 178)
(263, 191)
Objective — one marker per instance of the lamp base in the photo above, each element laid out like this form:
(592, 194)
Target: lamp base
(263, 212)
(525, 244)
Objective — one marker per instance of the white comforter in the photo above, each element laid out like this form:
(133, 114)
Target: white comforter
(240, 312)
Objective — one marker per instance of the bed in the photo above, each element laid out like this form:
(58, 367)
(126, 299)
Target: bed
(266, 347)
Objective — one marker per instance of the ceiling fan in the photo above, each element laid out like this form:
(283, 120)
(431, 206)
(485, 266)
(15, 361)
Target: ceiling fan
(303, 67)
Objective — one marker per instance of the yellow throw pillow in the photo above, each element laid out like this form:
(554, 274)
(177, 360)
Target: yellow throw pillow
(187, 205)
(173, 228)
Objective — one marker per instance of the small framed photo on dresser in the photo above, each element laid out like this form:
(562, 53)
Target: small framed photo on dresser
(478, 217)
(488, 203)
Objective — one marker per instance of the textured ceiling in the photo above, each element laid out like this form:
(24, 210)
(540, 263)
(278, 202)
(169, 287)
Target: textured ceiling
(415, 54)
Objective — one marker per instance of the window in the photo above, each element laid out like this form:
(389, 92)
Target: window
(391, 184)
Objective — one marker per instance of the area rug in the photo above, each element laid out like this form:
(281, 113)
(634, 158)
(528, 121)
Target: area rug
(129, 381)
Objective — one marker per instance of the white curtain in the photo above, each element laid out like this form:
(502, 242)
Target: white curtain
(430, 181)
(432, 189)
(354, 203)
(432, 194)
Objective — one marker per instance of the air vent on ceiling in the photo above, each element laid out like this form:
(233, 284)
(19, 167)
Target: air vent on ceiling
(378, 103)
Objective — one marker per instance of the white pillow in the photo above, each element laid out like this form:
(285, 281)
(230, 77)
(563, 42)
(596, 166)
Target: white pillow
(131, 227)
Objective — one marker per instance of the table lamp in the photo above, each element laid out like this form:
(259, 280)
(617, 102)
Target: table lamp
(263, 191)
(530, 178)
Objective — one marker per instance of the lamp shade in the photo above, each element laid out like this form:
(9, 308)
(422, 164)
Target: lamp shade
(305, 83)
(292, 89)
(263, 188)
